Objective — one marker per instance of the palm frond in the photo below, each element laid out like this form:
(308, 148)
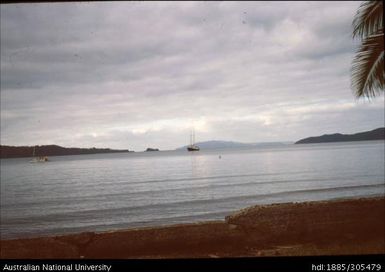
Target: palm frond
(368, 66)
(368, 19)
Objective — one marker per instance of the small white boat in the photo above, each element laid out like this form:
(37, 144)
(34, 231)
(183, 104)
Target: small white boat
(39, 158)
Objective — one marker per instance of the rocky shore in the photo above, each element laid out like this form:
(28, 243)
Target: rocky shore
(338, 227)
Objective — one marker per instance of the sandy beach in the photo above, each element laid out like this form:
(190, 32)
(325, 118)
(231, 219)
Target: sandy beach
(337, 227)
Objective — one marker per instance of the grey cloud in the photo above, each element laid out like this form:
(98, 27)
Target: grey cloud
(138, 74)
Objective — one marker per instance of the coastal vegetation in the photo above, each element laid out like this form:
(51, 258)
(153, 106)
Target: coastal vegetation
(50, 150)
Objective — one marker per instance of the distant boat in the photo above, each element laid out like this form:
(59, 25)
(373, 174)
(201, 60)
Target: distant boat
(38, 159)
(192, 146)
(152, 149)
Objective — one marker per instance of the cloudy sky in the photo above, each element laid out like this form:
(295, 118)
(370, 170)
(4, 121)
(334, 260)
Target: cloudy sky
(137, 75)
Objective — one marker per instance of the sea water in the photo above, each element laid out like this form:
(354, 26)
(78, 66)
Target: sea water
(101, 192)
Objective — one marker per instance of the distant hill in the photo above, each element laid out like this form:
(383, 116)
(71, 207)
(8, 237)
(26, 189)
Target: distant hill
(231, 144)
(50, 150)
(376, 134)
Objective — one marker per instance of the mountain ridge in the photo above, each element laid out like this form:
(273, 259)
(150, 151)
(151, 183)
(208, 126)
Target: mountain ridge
(375, 134)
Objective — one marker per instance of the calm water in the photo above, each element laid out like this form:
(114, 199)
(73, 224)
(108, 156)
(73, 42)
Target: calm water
(115, 191)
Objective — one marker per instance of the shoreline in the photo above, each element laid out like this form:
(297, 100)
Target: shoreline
(349, 226)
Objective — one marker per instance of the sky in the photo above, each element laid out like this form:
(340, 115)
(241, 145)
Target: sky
(132, 75)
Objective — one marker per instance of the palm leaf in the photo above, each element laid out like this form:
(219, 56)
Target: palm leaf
(368, 19)
(368, 66)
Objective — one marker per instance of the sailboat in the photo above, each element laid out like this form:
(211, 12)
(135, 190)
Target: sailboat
(192, 146)
(38, 159)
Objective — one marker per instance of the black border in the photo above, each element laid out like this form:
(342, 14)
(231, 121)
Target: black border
(305, 263)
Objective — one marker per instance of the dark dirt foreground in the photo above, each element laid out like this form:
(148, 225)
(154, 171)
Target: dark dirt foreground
(338, 227)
